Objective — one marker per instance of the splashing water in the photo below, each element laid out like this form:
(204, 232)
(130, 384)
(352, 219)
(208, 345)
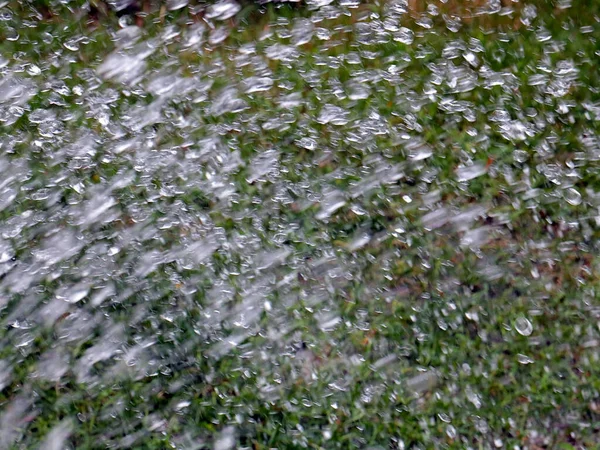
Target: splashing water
(338, 224)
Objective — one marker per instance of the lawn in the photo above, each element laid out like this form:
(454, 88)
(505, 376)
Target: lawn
(324, 226)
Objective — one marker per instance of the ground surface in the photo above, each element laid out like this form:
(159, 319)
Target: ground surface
(329, 226)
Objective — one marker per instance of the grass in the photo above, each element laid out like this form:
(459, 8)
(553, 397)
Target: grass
(337, 359)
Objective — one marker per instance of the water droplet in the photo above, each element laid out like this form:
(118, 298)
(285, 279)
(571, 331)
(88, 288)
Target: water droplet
(520, 156)
(470, 172)
(422, 382)
(257, 84)
(404, 35)
(524, 359)
(333, 114)
(451, 432)
(302, 32)
(572, 196)
(523, 326)
(226, 439)
(281, 52)
(218, 35)
(222, 10)
(5, 374)
(173, 5)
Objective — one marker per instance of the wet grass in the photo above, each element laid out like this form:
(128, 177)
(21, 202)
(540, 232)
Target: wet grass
(424, 297)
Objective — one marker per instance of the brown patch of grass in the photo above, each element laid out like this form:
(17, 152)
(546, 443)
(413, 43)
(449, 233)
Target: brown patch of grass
(468, 11)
